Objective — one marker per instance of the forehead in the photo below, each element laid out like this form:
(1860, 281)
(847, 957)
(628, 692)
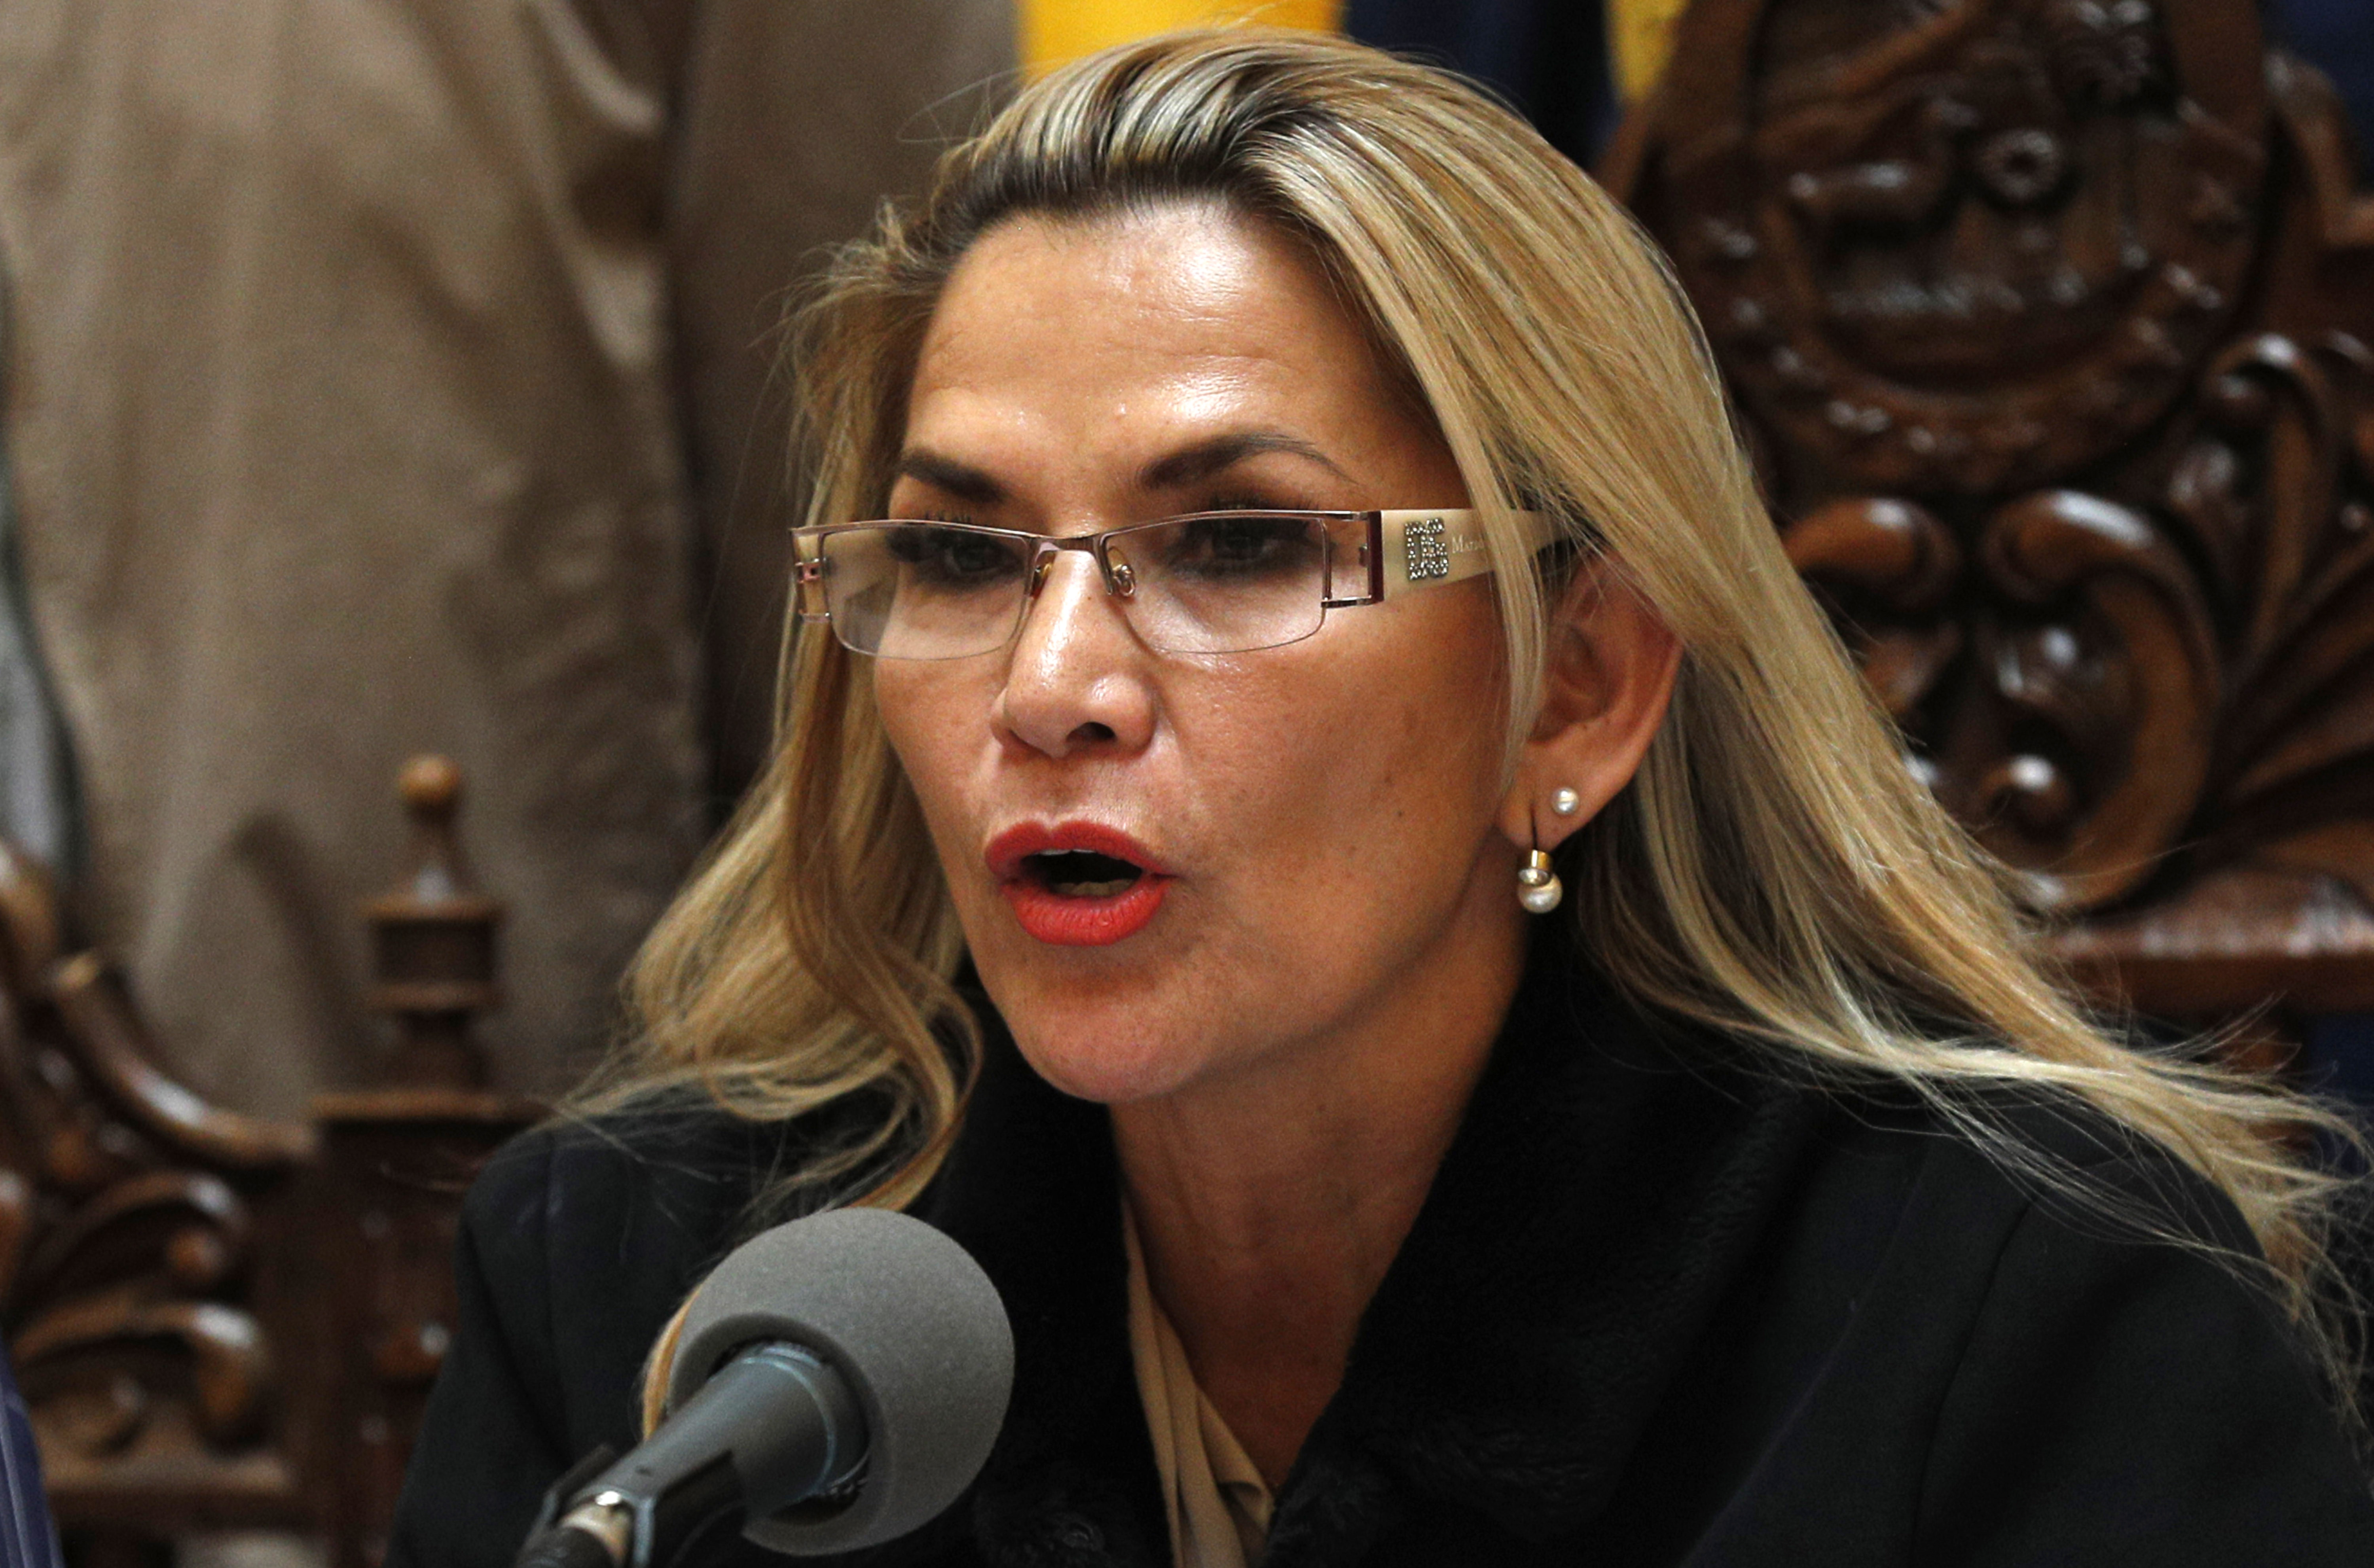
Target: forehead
(1186, 310)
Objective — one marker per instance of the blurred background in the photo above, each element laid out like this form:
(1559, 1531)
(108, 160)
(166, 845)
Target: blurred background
(388, 377)
(393, 378)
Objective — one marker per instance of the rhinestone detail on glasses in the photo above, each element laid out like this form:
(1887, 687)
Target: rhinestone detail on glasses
(1424, 554)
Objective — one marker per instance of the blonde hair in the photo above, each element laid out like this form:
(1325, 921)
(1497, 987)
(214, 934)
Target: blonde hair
(1775, 872)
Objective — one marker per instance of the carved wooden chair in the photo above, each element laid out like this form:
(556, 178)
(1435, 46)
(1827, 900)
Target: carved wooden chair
(2051, 324)
(221, 1322)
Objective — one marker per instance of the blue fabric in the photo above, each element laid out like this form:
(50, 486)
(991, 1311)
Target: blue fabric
(27, 1539)
(1547, 58)
(40, 811)
(2339, 1059)
(2337, 36)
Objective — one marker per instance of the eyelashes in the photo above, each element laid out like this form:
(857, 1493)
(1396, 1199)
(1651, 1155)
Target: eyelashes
(1228, 502)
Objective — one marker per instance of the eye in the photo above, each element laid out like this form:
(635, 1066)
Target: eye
(1246, 502)
(954, 558)
(1250, 543)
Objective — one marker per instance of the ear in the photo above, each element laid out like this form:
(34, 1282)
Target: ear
(1610, 675)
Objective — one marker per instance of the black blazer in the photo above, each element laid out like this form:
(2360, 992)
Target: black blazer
(1663, 1305)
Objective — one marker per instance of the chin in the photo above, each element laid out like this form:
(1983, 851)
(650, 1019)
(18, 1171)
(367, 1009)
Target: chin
(1105, 1054)
(1088, 1019)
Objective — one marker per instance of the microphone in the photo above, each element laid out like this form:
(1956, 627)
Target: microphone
(838, 1382)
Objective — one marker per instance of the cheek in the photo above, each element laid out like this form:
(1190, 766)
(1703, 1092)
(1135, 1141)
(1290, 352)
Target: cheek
(905, 705)
(934, 716)
(1361, 773)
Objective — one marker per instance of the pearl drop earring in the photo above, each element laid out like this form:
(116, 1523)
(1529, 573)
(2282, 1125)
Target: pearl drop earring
(1538, 888)
(1565, 803)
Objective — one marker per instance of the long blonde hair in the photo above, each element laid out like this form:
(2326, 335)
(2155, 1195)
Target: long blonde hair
(1774, 872)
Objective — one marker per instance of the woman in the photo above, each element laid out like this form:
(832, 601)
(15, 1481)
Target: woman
(1325, 844)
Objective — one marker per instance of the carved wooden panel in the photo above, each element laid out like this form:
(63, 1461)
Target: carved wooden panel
(2050, 320)
(147, 1284)
(394, 1165)
(219, 1322)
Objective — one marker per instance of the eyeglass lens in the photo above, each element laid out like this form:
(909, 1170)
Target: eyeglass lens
(1224, 584)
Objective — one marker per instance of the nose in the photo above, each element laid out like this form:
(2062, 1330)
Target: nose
(1078, 679)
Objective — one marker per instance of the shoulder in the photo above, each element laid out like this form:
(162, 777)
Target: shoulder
(675, 1168)
(2102, 1364)
(2028, 1205)
(583, 1235)
(664, 1185)
(2031, 1337)
(2001, 1156)
(578, 1241)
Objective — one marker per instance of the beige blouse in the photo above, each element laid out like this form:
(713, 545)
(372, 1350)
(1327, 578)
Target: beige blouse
(1217, 1503)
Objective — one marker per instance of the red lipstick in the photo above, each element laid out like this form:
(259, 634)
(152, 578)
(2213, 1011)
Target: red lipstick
(1017, 858)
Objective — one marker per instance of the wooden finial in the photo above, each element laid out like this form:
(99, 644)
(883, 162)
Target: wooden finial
(431, 787)
(433, 939)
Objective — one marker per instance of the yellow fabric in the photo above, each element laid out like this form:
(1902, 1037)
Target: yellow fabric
(1214, 1496)
(1056, 30)
(1640, 36)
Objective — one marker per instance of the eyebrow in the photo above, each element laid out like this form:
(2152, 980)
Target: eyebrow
(1222, 452)
(1184, 467)
(961, 480)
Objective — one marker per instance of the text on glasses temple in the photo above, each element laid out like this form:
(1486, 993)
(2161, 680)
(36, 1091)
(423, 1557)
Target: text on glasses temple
(1445, 546)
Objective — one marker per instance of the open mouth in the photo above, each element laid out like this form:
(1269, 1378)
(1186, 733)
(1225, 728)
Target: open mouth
(1077, 883)
(1081, 873)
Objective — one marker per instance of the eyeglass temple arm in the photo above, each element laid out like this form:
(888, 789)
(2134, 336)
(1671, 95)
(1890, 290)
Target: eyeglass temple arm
(1410, 549)
(808, 577)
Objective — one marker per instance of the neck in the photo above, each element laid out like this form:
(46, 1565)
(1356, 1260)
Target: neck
(1270, 1203)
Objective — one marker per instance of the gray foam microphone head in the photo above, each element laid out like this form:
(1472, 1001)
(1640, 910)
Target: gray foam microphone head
(903, 1313)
